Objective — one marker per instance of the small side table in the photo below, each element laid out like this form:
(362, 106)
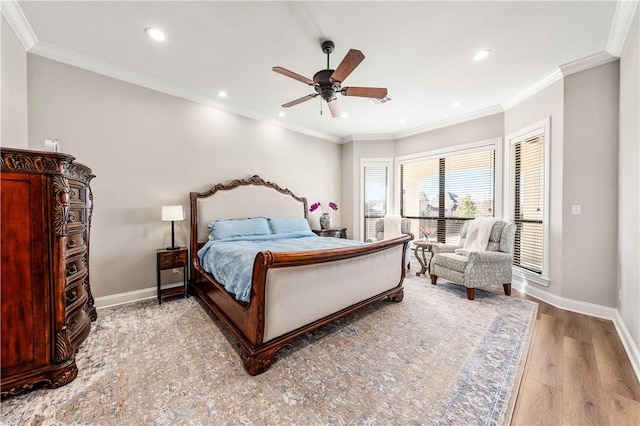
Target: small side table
(424, 247)
(331, 232)
(169, 259)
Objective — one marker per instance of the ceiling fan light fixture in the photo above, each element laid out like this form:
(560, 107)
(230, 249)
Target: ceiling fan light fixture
(155, 34)
(481, 55)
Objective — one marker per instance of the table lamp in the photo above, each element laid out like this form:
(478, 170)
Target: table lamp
(172, 213)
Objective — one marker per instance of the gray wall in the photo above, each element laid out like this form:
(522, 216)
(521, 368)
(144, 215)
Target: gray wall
(150, 149)
(590, 178)
(13, 131)
(470, 131)
(629, 184)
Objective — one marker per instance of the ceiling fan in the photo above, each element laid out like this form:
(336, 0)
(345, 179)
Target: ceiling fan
(327, 83)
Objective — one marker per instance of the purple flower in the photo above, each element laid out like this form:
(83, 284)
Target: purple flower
(316, 206)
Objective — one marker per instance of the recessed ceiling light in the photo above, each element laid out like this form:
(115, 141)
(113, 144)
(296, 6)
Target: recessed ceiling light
(344, 115)
(481, 55)
(402, 121)
(281, 114)
(155, 34)
(222, 94)
(455, 104)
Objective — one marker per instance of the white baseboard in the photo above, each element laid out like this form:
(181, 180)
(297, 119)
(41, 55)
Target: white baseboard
(593, 310)
(130, 296)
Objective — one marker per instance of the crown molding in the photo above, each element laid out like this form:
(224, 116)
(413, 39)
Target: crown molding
(587, 62)
(450, 121)
(542, 84)
(159, 85)
(620, 26)
(367, 138)
(18, 23)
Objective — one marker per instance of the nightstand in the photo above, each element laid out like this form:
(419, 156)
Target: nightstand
(169, 259)
(331, 232)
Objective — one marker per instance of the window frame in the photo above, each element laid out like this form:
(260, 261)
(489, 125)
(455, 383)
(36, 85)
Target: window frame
(388, 162)
(541, 127)
(468, 148)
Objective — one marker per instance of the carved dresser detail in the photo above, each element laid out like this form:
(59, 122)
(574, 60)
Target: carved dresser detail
(46, 300)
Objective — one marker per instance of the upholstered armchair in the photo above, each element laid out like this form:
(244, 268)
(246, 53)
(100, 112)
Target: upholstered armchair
(476, 269)
(405, 228)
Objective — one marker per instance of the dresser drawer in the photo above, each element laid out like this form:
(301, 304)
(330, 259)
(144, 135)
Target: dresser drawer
(172, 259)
(77, 192)
(75, 295)
(77, 216)
(79, 325)
(76, 240)
(76, 267)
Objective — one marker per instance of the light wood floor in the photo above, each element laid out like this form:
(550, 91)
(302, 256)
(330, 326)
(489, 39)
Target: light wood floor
(577, 372)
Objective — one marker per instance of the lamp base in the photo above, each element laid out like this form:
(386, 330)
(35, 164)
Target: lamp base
(173, 248)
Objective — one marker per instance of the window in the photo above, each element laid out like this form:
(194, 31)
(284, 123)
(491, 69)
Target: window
(439, 192)
(375, 195)
(528, 196)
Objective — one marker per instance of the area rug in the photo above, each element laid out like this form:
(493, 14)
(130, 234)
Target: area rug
(435, 358)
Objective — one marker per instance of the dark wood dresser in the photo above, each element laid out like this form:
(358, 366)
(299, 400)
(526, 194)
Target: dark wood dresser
(46, 300)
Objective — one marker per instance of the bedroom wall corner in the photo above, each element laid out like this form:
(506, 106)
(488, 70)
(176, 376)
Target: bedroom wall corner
(14, 128)
(628, 274)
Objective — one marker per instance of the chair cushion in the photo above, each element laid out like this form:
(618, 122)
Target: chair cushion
(451, 261)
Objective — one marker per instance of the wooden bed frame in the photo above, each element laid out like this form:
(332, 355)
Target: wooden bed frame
(292, 292)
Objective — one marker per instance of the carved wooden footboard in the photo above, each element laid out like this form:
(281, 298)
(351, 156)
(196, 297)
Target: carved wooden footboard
(293, 292)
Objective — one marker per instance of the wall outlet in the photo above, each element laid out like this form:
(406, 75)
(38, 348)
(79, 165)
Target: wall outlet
(576, 209)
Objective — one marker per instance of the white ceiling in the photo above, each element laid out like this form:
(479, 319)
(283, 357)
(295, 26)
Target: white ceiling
(421, 51)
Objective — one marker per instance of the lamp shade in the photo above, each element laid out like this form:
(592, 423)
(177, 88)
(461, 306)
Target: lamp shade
(172, 213)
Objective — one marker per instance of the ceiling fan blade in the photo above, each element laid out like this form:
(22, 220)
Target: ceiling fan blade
(335, 108)
(293, 75)
(348, 64)
(299, 100)
(365, 92)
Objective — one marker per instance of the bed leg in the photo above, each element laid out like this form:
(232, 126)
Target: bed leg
(257, 363)
(397, 296)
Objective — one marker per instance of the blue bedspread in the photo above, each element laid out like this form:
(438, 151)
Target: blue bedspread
(230, 261)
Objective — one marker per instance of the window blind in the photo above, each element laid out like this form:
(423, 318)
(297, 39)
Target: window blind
(528, 177)
(440, 193)
(375, 194)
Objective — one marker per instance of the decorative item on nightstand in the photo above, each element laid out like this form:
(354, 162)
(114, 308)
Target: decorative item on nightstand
(325, 218)
(172, 213)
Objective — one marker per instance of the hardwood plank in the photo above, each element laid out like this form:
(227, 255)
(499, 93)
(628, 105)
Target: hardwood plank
(614, 368)
(582, 399)
(539, 404)
(623, 411)
(546, 357)
(576, 326)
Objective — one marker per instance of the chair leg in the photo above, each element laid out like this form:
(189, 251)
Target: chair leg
(471, 293)
(507, 289)
(434, 279)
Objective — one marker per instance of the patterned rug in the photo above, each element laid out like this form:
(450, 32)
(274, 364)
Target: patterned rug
(434, 358)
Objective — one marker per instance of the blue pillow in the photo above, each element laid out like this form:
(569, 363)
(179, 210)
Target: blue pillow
(233, 228)
(288, 225)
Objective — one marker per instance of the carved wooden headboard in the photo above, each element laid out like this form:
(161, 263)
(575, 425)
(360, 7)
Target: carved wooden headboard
(241, 199)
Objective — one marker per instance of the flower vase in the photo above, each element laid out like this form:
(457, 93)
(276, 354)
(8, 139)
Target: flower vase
(325, 221)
